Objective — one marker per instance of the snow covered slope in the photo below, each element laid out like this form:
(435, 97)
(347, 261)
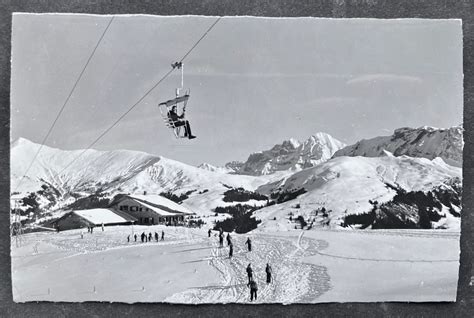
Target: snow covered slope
(120, 171)
(344, 185)
(94, 170)
(209, 167)
(188, 267)
(424, 142)
(292, 155)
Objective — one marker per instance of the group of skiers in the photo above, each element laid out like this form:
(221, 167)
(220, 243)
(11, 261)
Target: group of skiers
(252, 284)
(148, 238)
(90, 229)
(229, 241)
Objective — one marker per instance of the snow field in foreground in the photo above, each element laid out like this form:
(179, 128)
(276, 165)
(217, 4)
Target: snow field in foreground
(189, 267)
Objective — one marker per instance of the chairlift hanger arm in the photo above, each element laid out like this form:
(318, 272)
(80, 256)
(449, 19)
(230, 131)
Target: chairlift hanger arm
(175, 101)
(177, 65)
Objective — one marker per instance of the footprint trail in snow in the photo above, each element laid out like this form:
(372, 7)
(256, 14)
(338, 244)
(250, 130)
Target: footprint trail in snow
(293, 280)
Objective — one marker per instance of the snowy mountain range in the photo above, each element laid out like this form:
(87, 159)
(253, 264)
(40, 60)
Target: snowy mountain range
(300, 177)
(290, 155)
(424, 142)
(209, 167)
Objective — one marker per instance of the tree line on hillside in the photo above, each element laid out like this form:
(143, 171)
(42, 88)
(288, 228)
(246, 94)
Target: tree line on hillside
(287, 195)
(242, 219)
(242, 195)
(409, 210)
(178, 198)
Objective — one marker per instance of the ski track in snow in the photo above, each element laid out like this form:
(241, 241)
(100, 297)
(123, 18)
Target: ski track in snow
(292, 280)
(442, 234)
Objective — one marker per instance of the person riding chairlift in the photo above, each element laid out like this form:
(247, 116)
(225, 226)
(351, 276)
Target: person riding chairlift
(178, 120)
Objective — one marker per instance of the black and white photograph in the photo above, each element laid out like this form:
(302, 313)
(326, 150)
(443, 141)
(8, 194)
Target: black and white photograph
(235, 159)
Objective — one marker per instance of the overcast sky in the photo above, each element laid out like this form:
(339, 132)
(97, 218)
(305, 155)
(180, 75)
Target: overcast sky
(254, 81)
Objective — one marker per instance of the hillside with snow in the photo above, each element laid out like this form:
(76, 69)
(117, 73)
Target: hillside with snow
(424, 142)
(344, 186)
(291, 155)
(318, 180)
(120, 171)
(93, 171)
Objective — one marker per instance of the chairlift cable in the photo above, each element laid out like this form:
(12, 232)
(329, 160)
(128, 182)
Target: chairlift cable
(117, 120)
(64, 105)
(202, 37)
(141, 99)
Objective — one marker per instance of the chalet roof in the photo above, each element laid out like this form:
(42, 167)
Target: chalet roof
(105, 216)
(160, 211)
(158, 202)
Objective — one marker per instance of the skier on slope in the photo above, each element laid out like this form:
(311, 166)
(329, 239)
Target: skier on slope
(229, 240)
(231, 250)
(156, 237)
(135, 236)
(249, 273)
(253, 290)
(209, 233)
(128, 239)
(221, 240)
(249, 244)
(162, 235)
(268, 270)
(143, 237)
(149, 237)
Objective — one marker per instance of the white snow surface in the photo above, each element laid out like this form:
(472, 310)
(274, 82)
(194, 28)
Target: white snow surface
(188, 267)
(425, 142)
(346, 184)
(93, 169)
(100, 216)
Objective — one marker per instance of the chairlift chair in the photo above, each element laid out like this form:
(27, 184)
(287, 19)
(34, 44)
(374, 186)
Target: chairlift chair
(165, 108)
(180, 102)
